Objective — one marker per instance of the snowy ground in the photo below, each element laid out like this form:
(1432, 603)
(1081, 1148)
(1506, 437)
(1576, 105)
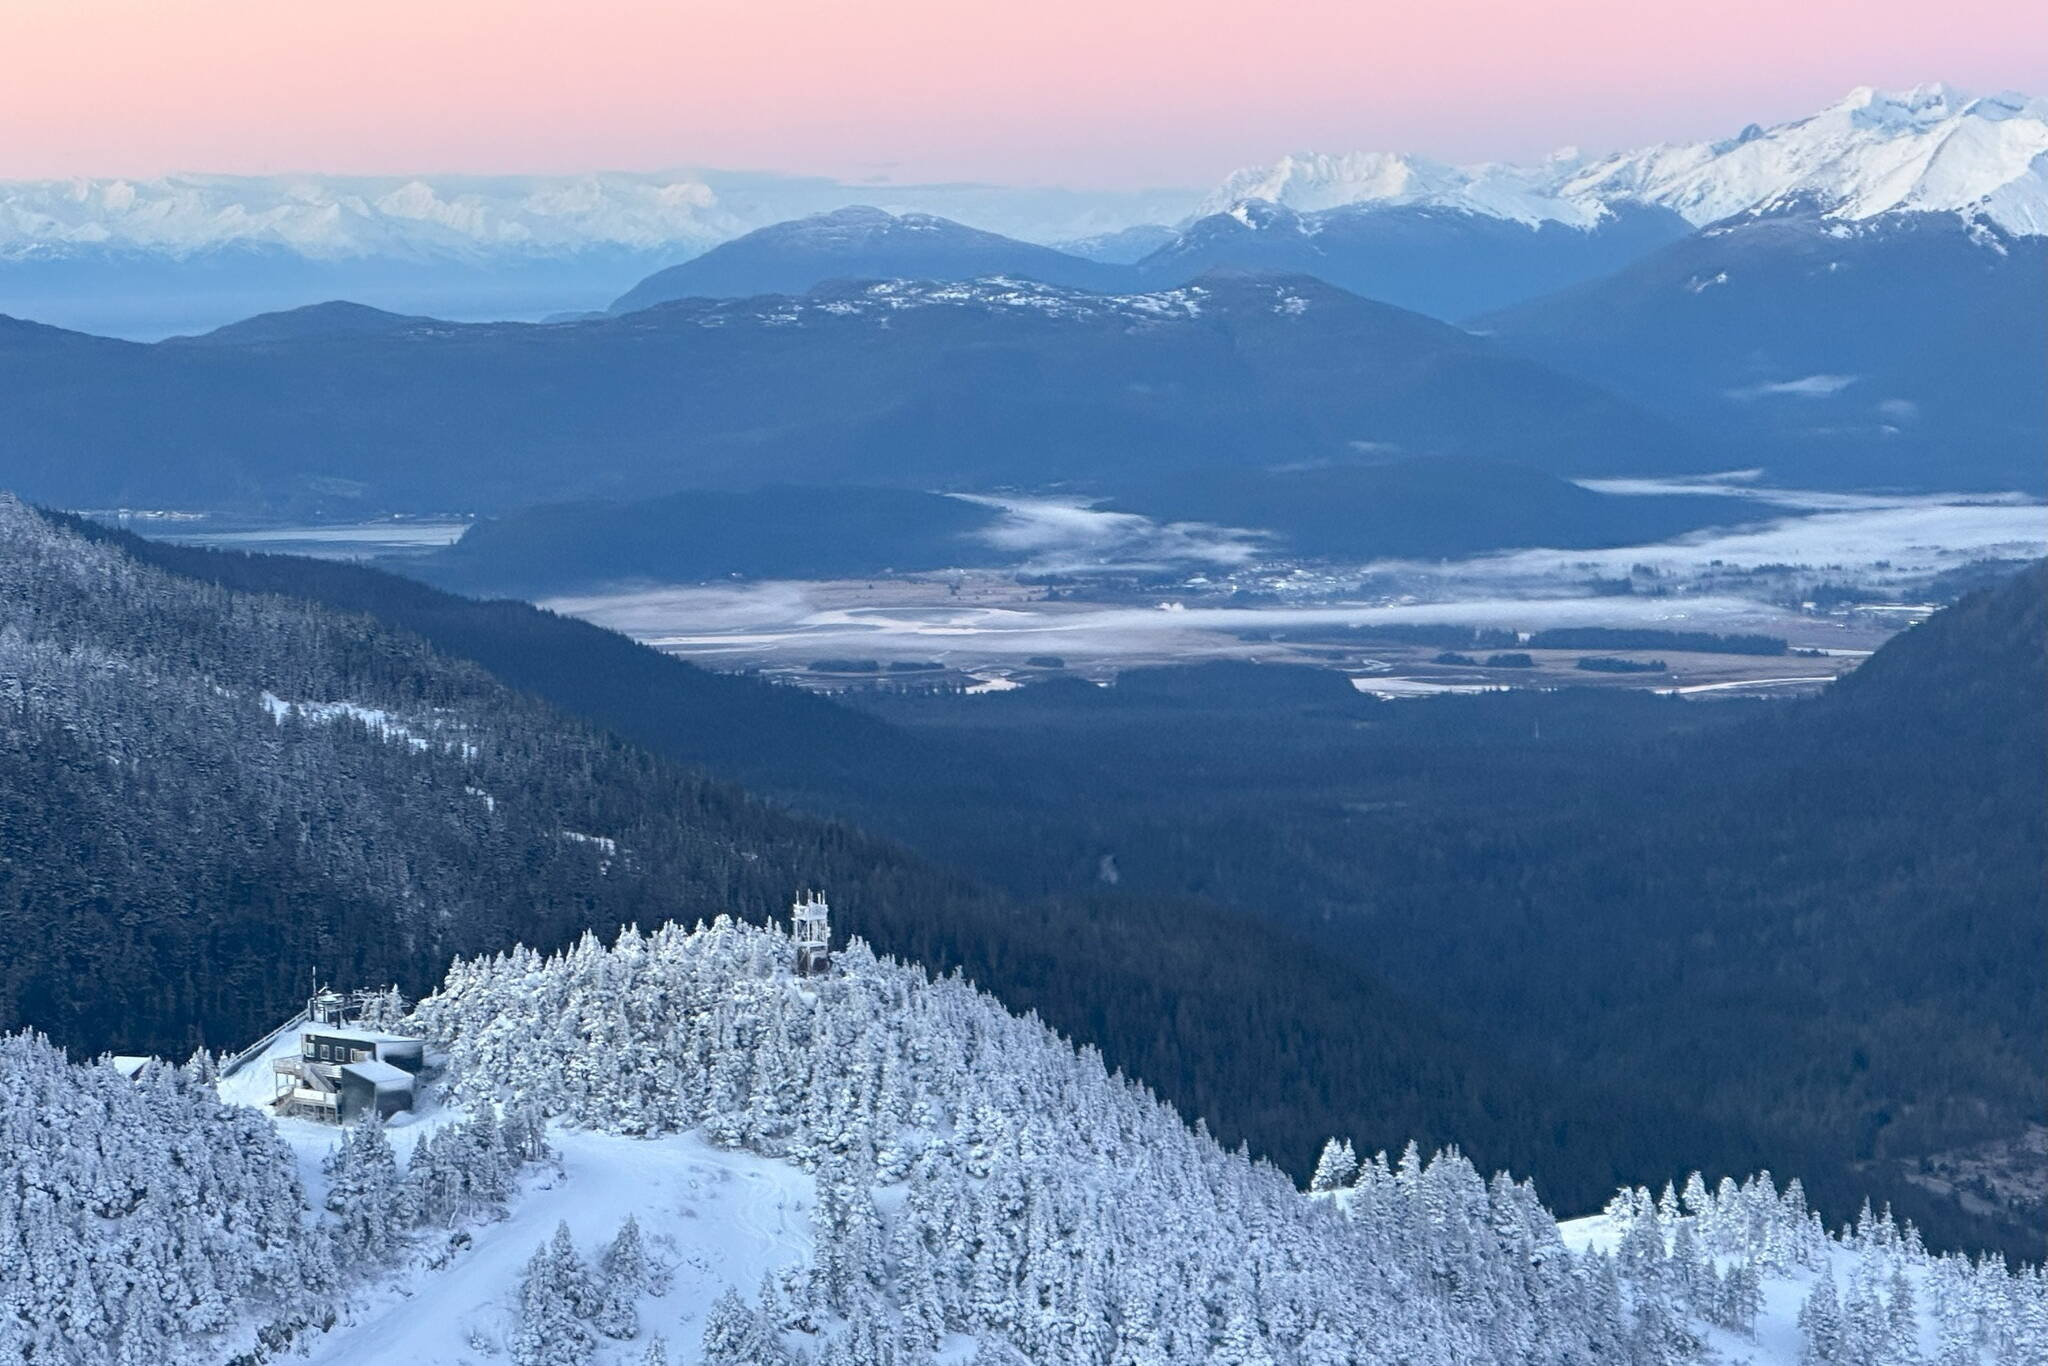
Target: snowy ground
(1777, 1339)
(715, 1218)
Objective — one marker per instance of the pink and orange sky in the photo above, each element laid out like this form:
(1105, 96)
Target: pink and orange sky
(1085, 92)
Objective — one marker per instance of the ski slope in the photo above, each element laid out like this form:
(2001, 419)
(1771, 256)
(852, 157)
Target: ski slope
(714, 1219)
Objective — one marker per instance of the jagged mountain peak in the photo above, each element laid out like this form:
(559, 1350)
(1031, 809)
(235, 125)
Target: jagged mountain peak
(1928, 149)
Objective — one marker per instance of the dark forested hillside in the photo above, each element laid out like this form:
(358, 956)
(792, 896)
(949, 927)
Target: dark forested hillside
(1419, 508)
(1355, 512)
(1824, 920)
(1904, 350)
(182, 849)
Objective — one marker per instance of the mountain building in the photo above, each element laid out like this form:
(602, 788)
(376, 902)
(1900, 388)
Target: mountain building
(342, 1071)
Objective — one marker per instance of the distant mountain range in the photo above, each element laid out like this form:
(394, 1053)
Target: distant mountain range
(952, 386)
(1873, 152)
(148, 258)
(1452, 241)
(1847, 299)
(1445, 262)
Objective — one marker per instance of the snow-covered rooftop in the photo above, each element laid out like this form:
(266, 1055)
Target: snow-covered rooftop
(355, 1035)
(381, 1075)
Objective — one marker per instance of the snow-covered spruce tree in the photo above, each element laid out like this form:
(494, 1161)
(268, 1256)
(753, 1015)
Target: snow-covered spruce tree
(1335, 1168)
(621, 1281)
(548, 1333)
(365, 1196)
(735, 1335)
(459, 1173)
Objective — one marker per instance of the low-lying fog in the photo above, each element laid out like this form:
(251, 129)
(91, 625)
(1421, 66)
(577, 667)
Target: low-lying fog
(1218, 591)
(1731, 579)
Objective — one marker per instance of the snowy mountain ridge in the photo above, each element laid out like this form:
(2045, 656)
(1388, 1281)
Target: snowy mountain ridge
(1928, 149)
(992, 294)
(1872, 152)
(867, 1168)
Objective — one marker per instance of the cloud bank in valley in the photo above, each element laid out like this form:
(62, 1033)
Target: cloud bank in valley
(1864, 537)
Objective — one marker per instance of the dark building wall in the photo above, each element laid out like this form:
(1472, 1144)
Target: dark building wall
(360, 1098)
(408, 1054)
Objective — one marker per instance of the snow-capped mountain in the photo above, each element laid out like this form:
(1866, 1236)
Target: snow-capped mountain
(1928, 149)
(147, 258)
(1873, 152)
(1896, 348)
(1314, 181)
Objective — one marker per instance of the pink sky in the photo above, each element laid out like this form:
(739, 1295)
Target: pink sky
(1093, 92)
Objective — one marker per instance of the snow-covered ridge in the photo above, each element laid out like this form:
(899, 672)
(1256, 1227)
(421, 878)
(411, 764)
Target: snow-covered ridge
(1928, 149)
(994, 293)
(1311, 182)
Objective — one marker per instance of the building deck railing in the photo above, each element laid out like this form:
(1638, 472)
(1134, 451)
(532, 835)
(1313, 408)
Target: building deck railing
(311, 1075)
